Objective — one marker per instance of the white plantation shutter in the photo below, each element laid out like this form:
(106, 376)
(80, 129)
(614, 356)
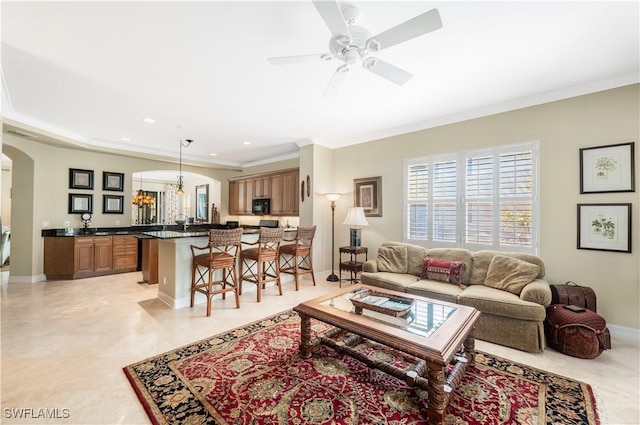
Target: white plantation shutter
(477, 200)
(418, 198)
(444, 201)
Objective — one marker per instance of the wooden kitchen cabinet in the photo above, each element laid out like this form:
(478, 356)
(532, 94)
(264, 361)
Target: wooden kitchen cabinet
(74, 257)
(262, 187)
(125, 253)
(92, 256)
(284, 193)
(281, 187)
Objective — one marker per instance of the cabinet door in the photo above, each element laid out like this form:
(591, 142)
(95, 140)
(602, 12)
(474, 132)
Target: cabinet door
(84, 258)
(103, 254)
(276, 194)
(262, 187)
(248, 195)
(290, 193)
(234, 198)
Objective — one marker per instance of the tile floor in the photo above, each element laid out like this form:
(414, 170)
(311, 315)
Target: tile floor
(64, 344)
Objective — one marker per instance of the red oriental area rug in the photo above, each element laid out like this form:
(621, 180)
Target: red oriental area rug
(254, 375)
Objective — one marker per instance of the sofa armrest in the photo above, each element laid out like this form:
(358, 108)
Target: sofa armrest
(370, 266)
(538, 292)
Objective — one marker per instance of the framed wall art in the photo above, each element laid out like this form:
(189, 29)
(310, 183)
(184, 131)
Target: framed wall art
(80, 203)
(112, 181)
(112, 204)
(604, 227)
(607, 169)
(80, 179)
(368, 195)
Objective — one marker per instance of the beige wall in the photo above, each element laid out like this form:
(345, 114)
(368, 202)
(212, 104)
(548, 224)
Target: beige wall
(562, 128)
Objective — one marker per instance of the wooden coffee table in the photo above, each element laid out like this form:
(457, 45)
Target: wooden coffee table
(436, 333)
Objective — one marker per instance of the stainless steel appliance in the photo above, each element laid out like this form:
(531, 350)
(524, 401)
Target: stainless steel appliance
(260, 206)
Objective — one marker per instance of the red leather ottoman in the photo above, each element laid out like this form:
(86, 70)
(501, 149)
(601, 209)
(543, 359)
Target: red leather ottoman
(582, 334)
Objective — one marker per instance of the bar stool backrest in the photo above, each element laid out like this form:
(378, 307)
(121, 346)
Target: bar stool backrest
(269, 240)
(225, 237)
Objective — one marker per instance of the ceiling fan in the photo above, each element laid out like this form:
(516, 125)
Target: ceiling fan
(351, 43)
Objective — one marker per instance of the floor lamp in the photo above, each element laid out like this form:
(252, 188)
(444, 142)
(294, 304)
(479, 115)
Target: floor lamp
(333, 197)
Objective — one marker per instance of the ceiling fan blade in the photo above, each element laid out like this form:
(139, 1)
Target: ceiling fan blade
(336, 81)
(415, 27)
(286, 60)
(387, 71)
(332, 17)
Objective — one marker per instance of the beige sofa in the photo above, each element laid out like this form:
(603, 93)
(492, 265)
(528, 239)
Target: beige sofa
(507, 288)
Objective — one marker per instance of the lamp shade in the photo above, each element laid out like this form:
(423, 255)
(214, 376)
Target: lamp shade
(333, 196)
(355, 217)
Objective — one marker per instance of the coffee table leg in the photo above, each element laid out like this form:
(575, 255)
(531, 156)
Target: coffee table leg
(470, 348)
(306, 347)
(437, 398)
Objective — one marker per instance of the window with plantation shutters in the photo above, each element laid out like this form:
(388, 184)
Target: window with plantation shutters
(478, 200)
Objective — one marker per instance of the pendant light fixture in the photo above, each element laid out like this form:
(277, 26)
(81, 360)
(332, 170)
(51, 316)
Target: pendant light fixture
(140, 199)
(180, 190)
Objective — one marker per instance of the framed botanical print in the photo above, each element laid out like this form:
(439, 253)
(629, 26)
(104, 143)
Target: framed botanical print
(607, 169)
(604, 227)
(112, 181)
(368, 195)
(80, 203)
(80, 179)
(112, 204)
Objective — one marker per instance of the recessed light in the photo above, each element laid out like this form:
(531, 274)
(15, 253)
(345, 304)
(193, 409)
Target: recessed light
(125, 139)
(246, 143)
(149, 120)
(213, 154)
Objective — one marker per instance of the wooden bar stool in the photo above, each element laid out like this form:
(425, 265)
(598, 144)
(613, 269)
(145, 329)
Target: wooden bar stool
(220, 254)
(262, 263)
(296, 257)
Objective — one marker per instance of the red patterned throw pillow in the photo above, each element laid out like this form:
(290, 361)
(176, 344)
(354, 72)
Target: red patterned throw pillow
(442, 270)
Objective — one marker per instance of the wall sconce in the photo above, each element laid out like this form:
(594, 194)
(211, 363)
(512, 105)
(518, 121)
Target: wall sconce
(355, 218)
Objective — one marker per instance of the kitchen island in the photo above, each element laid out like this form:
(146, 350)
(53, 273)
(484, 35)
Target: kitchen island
(174, 262)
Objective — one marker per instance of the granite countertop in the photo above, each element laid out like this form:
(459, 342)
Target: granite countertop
(159, 231)
(172, 234)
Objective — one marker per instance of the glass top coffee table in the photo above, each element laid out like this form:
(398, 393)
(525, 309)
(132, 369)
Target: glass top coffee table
(436, 333)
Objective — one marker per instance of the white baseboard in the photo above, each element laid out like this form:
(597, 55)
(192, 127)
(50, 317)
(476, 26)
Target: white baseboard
(27, 279)
(630, 335)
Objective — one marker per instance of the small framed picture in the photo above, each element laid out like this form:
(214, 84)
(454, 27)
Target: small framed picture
(80, 203)
(604, 227)
(367, 194)
(112, 204)
(80, 179)
(112, 181)
(607, 169)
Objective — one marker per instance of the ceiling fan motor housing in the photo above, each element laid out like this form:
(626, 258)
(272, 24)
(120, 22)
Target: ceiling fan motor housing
(355, 48)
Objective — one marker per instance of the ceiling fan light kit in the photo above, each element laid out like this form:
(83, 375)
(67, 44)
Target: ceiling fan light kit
(351, 43)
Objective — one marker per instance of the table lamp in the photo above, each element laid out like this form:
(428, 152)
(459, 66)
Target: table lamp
(355, 219)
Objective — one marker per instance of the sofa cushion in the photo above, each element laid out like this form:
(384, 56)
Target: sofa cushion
(501, 303)
(510, 274)
(482, 260)
(394, 281)
(455, 254)
(392, 259)
(415, 255)
(442, 270)
(436, 290)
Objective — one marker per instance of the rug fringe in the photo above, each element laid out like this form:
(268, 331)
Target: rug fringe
(602, 414)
